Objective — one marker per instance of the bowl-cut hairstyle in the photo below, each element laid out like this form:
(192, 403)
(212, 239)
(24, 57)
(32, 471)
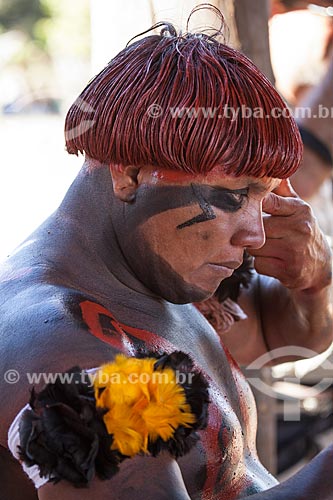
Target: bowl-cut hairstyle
(185, 102)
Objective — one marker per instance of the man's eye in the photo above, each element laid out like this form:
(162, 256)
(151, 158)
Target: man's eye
(229, 200)
(238, 197)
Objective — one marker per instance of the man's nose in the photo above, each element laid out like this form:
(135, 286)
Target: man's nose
(251, 233)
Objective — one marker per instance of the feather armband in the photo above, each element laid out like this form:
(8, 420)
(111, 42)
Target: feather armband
(86, 424)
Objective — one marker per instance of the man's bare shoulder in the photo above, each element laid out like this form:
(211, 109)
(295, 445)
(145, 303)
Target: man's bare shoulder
(42, 331)
(36, 311)
(48, 329)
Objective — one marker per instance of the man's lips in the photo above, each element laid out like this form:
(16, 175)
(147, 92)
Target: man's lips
(221, 269)
(229, 265)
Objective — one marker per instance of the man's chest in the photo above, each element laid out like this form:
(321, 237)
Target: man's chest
(218, 463)
(227, 445)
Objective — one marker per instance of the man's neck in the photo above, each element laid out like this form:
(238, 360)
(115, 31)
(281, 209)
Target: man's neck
(88, 207)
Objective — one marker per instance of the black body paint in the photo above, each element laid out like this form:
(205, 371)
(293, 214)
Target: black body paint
(219, 197)
(207, 211)
(153, 271)
(163, 198)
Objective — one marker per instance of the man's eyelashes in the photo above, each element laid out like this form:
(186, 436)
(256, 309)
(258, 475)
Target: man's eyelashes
(238, 196)
(228, 200)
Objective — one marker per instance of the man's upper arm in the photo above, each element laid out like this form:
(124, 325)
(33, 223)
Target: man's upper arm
(13, 480)
(42, 339)
(56, 345)
(139, 478)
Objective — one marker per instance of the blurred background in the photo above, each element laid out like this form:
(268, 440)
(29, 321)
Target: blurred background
(45, 48)
(50, 49)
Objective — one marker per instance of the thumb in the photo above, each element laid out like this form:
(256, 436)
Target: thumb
(285, 189)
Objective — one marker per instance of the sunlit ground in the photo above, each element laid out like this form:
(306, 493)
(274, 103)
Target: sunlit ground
(35, 172)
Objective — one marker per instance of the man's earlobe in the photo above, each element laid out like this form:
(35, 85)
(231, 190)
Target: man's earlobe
(125, 181)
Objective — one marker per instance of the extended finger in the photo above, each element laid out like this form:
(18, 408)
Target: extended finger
(273, 248)
(274, 204)
(277, 227)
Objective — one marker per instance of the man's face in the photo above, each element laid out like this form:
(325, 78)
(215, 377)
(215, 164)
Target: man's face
(184, 234)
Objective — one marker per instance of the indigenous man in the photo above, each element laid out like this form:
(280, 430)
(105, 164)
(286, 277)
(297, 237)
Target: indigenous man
(159, 215)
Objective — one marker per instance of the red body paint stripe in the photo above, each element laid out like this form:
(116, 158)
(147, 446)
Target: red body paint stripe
(90, 314)
(210, 441)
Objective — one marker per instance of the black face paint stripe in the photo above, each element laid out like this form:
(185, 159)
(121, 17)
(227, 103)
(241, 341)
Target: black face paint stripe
(225, 198)
(152, 200)
(207, 211)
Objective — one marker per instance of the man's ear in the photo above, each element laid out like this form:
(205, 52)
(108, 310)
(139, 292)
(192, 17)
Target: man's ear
(125, 181)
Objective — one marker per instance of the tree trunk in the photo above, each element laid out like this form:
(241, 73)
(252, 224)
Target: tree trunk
(252, 30)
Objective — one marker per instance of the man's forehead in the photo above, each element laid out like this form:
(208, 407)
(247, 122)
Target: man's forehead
(254, 184)
(264, 184)
(213, 178)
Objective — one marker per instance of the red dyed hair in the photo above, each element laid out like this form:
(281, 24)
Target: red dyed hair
(111, 122)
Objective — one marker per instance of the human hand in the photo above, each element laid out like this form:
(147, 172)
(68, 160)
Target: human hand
(296, 251)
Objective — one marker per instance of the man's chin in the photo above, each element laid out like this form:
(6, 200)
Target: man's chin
(176, 289)
(188, 295)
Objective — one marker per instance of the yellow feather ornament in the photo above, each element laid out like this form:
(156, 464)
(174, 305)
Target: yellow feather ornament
(142, 403)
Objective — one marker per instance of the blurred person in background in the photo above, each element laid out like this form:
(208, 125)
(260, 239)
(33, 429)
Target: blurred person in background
(313, 181)
(303, 64)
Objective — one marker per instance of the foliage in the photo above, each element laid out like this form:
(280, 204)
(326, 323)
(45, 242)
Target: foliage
(67, 30)
(56, 26)
(22, 15)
